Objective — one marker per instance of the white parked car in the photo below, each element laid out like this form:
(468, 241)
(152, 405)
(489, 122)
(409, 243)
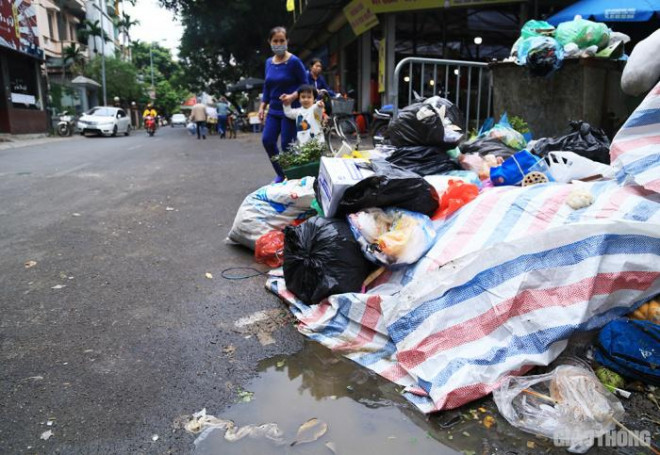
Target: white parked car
(178, 119)
(106, 120)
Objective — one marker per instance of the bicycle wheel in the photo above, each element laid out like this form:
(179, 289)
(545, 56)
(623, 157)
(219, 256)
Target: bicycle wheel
(347, 128)
(334, 140)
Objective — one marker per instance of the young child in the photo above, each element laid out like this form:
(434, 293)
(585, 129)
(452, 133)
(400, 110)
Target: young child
(308, 116)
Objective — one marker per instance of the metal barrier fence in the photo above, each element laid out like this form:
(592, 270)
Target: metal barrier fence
(446, 78)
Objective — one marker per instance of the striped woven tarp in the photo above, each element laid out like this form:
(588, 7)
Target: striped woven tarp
(635, 151)
(511, 276)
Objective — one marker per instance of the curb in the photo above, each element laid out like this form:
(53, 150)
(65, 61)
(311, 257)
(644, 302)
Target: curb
(26, 142)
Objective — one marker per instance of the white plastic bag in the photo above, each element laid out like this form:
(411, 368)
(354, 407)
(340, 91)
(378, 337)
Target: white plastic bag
(568, 405)
(392, 236)
(642, 70)
(567, 166)
(272, 207)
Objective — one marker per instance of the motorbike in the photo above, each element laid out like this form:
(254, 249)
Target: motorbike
(66, 124)
(150, 125)
(380, 124)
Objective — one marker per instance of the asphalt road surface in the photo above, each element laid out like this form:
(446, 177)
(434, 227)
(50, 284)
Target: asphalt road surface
(116, 329)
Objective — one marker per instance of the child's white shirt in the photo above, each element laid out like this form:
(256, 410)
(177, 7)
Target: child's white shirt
(308, 122)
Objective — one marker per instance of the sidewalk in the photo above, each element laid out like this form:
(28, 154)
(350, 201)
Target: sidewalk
(12, 141)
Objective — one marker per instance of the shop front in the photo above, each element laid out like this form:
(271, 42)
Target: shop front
(22, 106)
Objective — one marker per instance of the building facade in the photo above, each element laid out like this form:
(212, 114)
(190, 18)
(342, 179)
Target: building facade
(22, 102)
(361, 41)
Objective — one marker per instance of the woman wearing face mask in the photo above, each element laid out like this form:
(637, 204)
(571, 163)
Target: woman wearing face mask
(315, 79)
(284, 74)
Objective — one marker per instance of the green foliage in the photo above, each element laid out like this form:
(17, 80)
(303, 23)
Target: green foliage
(298, 154)
(164, 65)
(519, 124)
(168, 98)
(223, 42)
(121, 78)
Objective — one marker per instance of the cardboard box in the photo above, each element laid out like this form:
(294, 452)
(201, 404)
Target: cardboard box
(335, 176)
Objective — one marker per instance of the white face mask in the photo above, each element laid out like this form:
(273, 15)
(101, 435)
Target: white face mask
(278, 49)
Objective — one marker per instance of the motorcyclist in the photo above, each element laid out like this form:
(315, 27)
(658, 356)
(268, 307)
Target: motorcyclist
(150, 112)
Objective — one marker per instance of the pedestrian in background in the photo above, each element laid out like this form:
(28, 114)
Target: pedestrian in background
(284, 74)
(315, 79)
(212, 119)
(223, 113)
(198, 116)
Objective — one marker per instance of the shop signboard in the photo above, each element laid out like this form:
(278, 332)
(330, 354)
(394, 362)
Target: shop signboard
(390, 6)
(18, 27)
(360, 16)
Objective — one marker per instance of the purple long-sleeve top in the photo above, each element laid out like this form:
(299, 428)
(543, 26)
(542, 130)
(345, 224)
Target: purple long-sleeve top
(282, 79)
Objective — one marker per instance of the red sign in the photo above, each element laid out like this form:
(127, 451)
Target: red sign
(18, 27)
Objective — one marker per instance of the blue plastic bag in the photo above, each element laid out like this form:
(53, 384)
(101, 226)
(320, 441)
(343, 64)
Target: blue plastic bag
(631, 348)
(513, 170)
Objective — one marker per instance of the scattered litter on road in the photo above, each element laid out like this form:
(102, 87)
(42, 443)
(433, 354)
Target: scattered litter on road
(245, 396)
(568, 404)
(310, 431)
(59, 286)
(169, 209)
(30, 264)
(49, 423)
(154, 438)
(75, 214)
(46, 435)
(209, 275)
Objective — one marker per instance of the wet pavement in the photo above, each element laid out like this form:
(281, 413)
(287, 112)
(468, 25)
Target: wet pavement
(112, 331)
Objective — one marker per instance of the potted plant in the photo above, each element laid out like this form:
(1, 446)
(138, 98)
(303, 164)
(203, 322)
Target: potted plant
(302, 160)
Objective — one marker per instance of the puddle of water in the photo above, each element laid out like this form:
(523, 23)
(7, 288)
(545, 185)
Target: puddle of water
(364, 412)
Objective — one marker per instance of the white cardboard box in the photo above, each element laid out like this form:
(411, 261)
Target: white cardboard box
(335, 176)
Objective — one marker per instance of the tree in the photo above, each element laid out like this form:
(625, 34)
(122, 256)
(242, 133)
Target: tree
(74, 56)
(124, 25)
(221, 44)
(121, 78)
(164, 64)
(94, 30)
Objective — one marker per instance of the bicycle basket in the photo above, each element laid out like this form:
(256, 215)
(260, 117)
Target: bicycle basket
(342, 106)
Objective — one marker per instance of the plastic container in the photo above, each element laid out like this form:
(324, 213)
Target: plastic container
(305, 170)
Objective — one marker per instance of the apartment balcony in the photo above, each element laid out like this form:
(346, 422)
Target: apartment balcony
(75, 6)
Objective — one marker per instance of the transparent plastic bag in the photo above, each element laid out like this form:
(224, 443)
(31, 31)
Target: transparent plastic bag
(568, 405)
(393, 236)
(584, 33)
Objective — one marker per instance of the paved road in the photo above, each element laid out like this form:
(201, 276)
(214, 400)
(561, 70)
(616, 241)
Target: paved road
(138, 335)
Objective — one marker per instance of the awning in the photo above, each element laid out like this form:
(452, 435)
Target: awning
(244, 85)
(82, 80)
(609, 11)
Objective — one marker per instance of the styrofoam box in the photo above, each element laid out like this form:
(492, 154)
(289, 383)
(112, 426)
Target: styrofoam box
(335, 176)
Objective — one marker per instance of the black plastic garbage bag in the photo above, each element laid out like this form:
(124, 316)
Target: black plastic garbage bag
(584, 140)
(421, 124)
(391, 186)
(322, 258)
(423, 159)
(486, 146)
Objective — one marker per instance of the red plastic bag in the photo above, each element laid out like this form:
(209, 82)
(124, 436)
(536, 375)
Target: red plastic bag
(456, 196)
(269, 249)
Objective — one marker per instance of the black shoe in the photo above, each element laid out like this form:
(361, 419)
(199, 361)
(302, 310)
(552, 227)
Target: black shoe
(203, 137)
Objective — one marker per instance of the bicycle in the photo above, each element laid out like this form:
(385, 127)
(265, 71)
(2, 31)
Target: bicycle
(340, 129)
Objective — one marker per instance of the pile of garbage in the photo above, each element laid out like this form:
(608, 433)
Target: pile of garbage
(542, 48)
(448, 266)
